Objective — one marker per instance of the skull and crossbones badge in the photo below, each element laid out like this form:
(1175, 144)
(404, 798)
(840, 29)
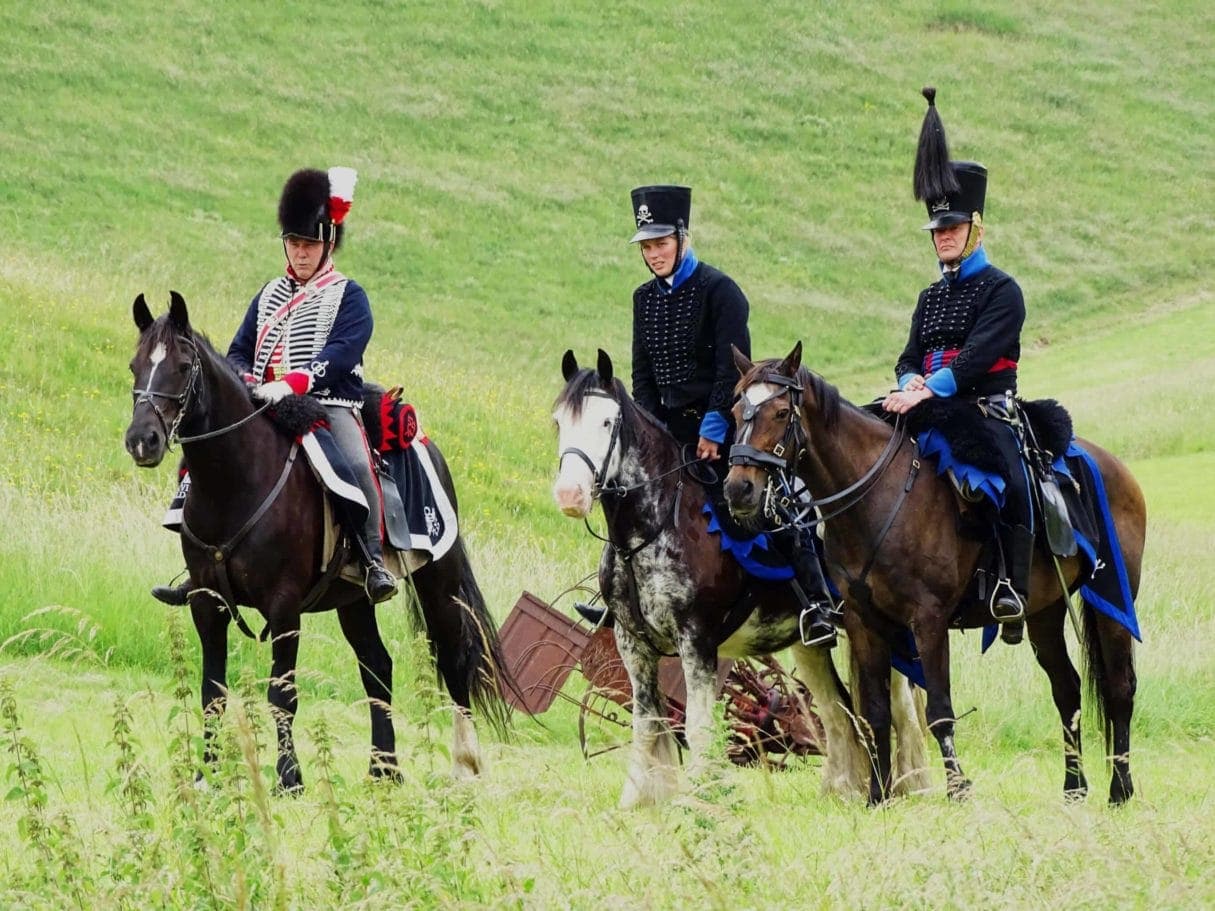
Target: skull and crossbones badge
(643, 215)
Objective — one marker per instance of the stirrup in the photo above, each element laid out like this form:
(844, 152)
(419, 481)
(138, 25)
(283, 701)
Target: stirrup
(1006, 608)
(814, 627)
(385, 585)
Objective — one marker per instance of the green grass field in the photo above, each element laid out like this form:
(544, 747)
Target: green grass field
(144, 148)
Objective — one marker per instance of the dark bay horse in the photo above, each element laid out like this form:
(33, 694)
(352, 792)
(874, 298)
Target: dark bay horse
(915, 573)
(672, 590)
(237, 457)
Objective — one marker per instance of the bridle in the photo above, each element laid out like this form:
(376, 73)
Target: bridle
(782, 504)
(185, 399)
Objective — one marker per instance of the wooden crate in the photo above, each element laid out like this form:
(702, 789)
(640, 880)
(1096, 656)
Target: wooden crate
(540, 646)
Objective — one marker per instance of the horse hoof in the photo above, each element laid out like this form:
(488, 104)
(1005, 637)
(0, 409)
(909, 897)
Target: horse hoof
(1075, 795)
(959, 789)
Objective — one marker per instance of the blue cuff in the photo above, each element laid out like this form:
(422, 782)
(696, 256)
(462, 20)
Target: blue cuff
(905, 379)
(714, 426)
(942, 383)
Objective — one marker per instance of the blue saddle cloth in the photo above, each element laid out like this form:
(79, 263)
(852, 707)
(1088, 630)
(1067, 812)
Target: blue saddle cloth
(755, 555)
(1107, 588)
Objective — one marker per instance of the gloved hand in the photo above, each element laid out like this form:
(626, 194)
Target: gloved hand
(273, 392)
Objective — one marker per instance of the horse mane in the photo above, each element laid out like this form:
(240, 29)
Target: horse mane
(164, 331)
(586, 381)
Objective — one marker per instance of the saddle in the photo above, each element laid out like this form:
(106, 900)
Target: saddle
(1045, 428)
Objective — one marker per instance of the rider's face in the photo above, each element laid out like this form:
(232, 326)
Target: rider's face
(304, 256)
(660, 253)
(950, 242)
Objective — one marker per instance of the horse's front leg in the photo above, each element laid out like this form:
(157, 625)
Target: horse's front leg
(651, 776)
(872, 657)
(359, 626)
(211, 621)
(284, 696)
(932, 642)
(698, 655)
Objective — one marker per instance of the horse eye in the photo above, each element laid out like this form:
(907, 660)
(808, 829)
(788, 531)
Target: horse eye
(606, 423)
(782, 414)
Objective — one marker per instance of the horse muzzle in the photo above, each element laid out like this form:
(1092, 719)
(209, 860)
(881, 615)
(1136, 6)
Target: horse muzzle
(146, 446)
(574, 500)
(744, 494)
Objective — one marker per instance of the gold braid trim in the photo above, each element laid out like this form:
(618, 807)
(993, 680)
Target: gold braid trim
(972, 239)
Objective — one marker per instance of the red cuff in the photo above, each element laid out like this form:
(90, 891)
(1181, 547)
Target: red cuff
(298, 381)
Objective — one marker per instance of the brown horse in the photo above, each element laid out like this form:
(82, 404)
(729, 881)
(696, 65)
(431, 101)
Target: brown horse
(273, 552)
(895, 550)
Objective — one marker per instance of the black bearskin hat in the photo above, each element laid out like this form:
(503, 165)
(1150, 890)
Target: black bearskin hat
(314, 204)
(661, 210)
(952, 190)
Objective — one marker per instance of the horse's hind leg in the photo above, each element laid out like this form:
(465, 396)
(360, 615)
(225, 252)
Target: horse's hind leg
(1050, 648)
(1117, 685)
(845, 760)
(911, 774)
(211, 621)
(284, 696)
(375, 668)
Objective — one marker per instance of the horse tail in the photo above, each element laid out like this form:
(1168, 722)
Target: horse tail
(479, 667)
(1095, 673)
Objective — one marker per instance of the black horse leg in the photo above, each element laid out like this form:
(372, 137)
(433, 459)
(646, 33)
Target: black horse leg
(872, 656)
(932, 641)
(375, 668)
(1050, 648)
(284, 697)
(211, 622)
(1118, 685)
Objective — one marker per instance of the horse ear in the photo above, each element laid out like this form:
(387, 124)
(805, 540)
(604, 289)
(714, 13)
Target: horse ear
(569, 364)
(794, 360)
(143, 316)
(741, 361)
(605, 368)
(178, 315)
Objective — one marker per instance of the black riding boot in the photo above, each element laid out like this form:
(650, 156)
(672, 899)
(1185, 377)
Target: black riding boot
(1012, 591)
(595, 616)
(819, 613)
(174, 595)
(379, 583)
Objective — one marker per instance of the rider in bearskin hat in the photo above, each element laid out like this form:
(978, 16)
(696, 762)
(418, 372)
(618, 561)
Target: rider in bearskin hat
(305, 333)
(965, 341)
(685, 318)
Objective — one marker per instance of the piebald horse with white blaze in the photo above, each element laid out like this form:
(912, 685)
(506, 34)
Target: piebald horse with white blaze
(673, 591)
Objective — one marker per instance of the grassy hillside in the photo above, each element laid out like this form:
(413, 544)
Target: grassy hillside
(145, 146)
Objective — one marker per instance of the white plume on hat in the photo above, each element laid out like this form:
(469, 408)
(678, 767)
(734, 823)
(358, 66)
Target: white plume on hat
(341, 187)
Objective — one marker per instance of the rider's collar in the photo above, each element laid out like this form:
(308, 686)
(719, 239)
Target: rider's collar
(319, 273)
(970, 266)
(686, 267)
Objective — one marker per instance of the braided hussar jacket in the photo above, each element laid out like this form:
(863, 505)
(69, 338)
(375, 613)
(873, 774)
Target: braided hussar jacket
(681, 342)
(966, 335)
(320, 329)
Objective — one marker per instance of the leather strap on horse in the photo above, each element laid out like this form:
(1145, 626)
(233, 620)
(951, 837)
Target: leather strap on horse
(860, 583)
(221, 553)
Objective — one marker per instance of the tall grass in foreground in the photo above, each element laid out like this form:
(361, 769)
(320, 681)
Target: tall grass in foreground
(105, 811)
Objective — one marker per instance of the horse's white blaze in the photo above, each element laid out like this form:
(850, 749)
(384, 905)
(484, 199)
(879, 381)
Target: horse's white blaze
(159, 353)
(590, 432)
(755, 393)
